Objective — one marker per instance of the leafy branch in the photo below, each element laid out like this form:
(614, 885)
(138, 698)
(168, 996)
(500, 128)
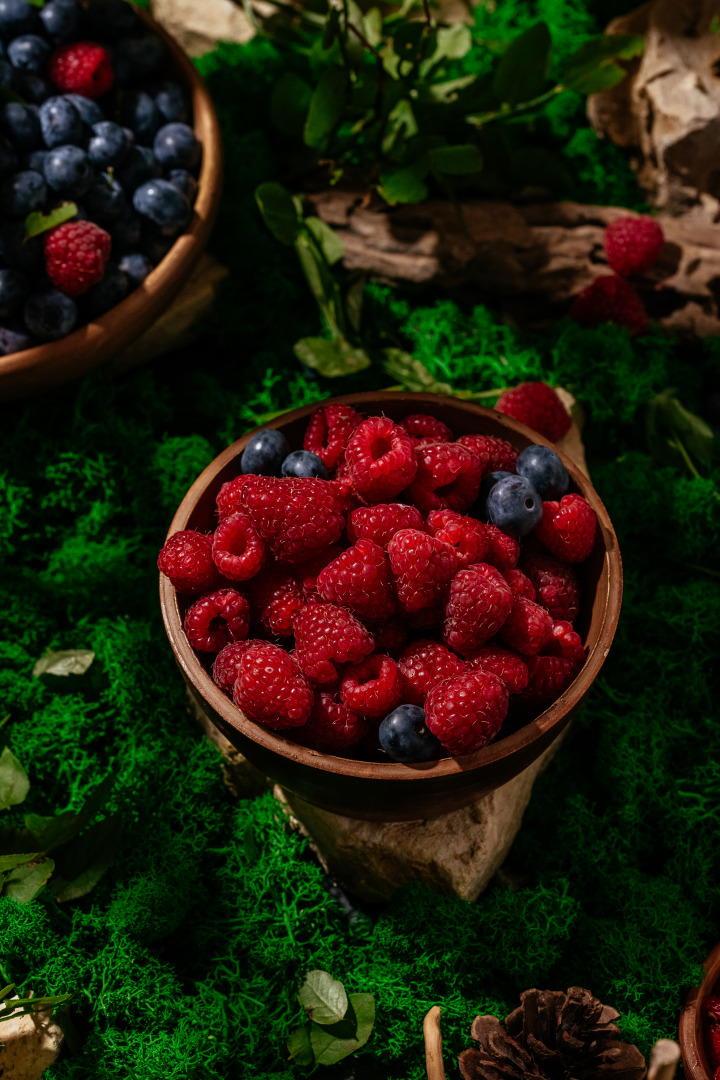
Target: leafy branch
(11, 1007)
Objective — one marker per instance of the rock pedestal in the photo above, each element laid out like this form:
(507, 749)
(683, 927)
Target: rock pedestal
(30, 1044)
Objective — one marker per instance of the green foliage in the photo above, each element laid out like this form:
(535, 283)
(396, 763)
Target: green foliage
(340, 1024)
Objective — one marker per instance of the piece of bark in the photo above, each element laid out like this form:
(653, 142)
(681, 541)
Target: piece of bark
(29, 1043)
(242, 779)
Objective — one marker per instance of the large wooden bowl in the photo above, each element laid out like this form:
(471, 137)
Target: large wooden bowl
(55, 362)
(383, 790)
(691, 1035)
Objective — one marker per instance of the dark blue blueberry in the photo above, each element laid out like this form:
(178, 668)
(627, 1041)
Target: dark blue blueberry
(68, 171)
(8, 157)
(265, 453)
(139, 165)
(479, 507)
(545, 471)
(12, 341)
(35, 161)
(107, 294)
(23, 193)
(138, 56)
(514, 505)
(22, 254)
(21, 124)
(16, 17)
(141, 114)
(32, 87)
(126, 231)
(155, 246)
(60, 20)
(7, 75)
(105, 200)
(304, 463)
(161, 203)
(90, 112)
(404, 736)
(111, 18)
(14, 288)
(184, 182)
(60, 122)
(108, 144)
(176, 147)
(170, 100)
(136, 266)
(28, 52)
(50, 315)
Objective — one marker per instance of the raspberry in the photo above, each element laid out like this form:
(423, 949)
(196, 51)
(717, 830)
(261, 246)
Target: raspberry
(271, 688)
(360, 579)
(504, 550)
(296, 516)
(556, 585)
(381, 459)
(448, 478)
(465, 534)
(215, 620)
(711, 1007)
(226, 665)
(390, 635)
(548, 676)
(504, 663)
(276, 597)
(567, 528)
(332, 725)
(187, 561)
(229, 499)
(519, 583)
(75, 256)
(528, 628)
(496, 455)
(423, 665)
(325, 635)
(382, 521)
(82, 68)
(422, 567)
(307, 572)
(466, 711)
(633, 244)
(426, 429)
(479, 602)
(372, 688)
(609, 299)
(238, 551)
(565, 642)
(328, 432)
(345, 488)
(713, 1039)
(537, 405)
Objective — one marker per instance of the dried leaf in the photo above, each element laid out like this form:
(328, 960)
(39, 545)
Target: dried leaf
(323, 998)
(25, 882)
(9, 862)
(14, 783)
(87, 860)
(299, 1047)
(412, 373)
(64, 663)
(331, 358)
(328, 1049)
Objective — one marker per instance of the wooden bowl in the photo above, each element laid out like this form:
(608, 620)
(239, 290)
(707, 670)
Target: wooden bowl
(55, 362)
(691, 1036)
(384, 790)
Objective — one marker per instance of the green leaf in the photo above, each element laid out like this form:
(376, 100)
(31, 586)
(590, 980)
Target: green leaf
(456, 160)
(329, 242)
(328, 1049)
(38, 222)
(453, 42)
(354, 298)
(676, 436)
(406, 185)
(327, 106)
(25, 882)
(373, 24)
(331, 358)
(53, 832)
(14, 783)
(299, 1047)
(323, 998)
(412, 373)
(289, 104)
(9, 862)
(85, 862)
(279, 211)
(413, 43)
(445, 93)
(64, 663)
(331, 30)
(592, 68)
(521, 73)
(37, 3)
(401, 124)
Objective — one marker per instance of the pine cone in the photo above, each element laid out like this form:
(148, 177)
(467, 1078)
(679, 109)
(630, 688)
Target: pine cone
(552, 1036)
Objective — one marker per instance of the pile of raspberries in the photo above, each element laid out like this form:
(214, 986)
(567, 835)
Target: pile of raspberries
(711, 1023)
(328, 603)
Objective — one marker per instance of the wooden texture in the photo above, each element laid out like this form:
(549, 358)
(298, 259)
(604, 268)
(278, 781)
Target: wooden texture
(44, 366)
(433, 1045)
(664, 1060)
(380, 790)
(696, 1063)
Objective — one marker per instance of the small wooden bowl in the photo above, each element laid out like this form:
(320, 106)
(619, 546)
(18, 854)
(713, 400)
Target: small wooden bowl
(384, 790)
(691, 1036)
(34, 370)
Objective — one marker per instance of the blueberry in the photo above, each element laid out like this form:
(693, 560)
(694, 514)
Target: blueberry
(35, 161)
(170, 100)
(176, 147)
(303, 463)
(90, 112)
(488, 482)
(545, 471)
(14, 289)
(107, 294)
(136, 266)
(108, 143)
(141, 114)
(155, 246)
(16, 17)
(111, 17)
(28, 52)
(8, 157)
(161, 203)
(50, 314)
(184, 182)
(139, 165)
(68, 171)
(23, 193)
(12, 341)
(105, 199)
(265, 453)
(138, 56)
(60, 122)
(21, 124)
(60, 20)
(32, 87)
(7, 75)
(404, 736)
(21, 254)
(514, 505)
(126, 231)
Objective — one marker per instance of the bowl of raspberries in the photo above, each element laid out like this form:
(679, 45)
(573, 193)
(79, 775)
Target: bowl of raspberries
(110, 174)
(392, 602)
(699, 1034)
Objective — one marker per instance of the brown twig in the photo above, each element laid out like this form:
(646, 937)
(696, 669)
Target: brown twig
(433, 1045)
(664, 1058)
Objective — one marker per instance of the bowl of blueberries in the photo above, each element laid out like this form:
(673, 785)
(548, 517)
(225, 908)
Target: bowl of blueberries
(110, 180)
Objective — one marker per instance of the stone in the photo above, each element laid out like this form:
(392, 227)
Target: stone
(30, 1044)
(198, 25)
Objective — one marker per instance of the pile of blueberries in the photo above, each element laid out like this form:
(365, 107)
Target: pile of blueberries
(128, 160)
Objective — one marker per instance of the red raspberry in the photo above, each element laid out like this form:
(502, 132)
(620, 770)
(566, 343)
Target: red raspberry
(714, 1045)
(229, 499)
(422, 567)
(390, 635)
(495, 454)
(373, 687)
(567, 528)
(565, 642)
(425, 617)
(479, 602)
(238, 551)
(423, 665)
(332, 726)
(466, 711)
(381, 459)
(325, 635)
(187, 560)
(75, 256)
(548, 677)
(297, 516)
(382, 521)
(633, 244)
(328, 432)
(609, 299)
(556, 585)
(215, 620)
(426, 429)
(226, 665)
(504, 663)
(520, 585)
(528, 628)
(345, 489)
(537, 405)
(448, 478)
(360, 579)
(711, 1007)
(271, 688)
(307, 572)
(504, 550)
(83, 67)
(275, 597)
(465, 534)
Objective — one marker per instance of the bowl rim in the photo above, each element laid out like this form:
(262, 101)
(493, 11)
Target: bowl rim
(690, 1028)
(505, 748)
